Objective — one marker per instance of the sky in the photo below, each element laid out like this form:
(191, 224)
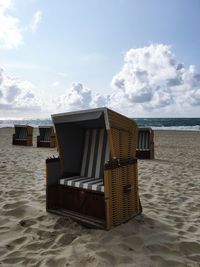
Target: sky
(140, 58)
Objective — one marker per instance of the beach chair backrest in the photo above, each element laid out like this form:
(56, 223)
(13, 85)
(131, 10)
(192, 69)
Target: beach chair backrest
(17, 132)
(21, 132)
(95, 153)
(42, 133)
(47, 134)
(143, 140)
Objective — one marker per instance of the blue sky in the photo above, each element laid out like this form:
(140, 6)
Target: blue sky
(85, 43)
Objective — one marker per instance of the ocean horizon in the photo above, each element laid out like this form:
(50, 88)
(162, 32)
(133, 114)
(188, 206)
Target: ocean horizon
(181, 124)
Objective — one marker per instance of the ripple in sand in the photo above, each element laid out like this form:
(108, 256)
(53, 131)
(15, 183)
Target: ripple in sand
(110, 259)
(190, 247)
(14, 205)
(13, 261)
(65, 239)
(21, 211)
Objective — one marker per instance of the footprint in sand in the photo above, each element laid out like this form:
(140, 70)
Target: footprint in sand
(108, 257)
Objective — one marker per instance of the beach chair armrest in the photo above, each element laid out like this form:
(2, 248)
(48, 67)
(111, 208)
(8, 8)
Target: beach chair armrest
(53, 171)
(113, 164)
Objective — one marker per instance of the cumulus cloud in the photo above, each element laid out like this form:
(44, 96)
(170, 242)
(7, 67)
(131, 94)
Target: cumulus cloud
(17, 97)
(37, 18)
(150, 83)
(151, 79)
(10, 31)
(79, 97)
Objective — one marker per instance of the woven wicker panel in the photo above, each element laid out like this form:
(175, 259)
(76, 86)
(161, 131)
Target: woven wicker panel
(133, 196)
(152, 144)
(121, 205)
(122, 136)
(123, 144)
(119, 121)
(30, 130)
(29, 136)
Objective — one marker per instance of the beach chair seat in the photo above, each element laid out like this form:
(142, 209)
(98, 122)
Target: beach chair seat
(84, 182)
(94, 179)
(23, 135)
(145, 145)
(46, 137)
(95, 154)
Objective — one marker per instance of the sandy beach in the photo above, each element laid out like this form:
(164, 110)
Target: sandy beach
(166, 234)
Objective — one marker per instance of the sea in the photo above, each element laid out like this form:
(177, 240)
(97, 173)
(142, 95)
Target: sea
(181, 124)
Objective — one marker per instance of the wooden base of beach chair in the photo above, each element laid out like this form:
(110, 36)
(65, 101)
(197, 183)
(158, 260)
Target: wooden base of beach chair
(84, 206)
(85, 220)
(22, 142)
(144, 155)
(46, 144)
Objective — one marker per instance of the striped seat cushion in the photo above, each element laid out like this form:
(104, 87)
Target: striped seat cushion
(143, 141)
(95, 153)
(84, 182)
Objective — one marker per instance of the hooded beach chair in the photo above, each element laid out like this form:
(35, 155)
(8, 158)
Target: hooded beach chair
(94, 180)
(47, 137)
(145, 145)
(23, 135)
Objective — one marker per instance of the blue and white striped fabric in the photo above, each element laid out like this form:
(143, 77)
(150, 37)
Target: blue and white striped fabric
(84, 182)
(143, 141)
(96, 152)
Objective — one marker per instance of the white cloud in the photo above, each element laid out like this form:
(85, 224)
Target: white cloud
(79, 97)
(151, 83)
(37, 18)
(17, 97)
(151, 80)
(10, 31)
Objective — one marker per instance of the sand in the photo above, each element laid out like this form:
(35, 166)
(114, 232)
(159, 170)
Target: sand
(166, 234)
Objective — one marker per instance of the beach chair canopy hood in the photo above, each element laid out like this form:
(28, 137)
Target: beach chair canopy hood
(74, 131)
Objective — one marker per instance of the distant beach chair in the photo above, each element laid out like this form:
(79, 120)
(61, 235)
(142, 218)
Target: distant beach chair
(46, 137)
(23, 135)
(145, 145)
(94, 180)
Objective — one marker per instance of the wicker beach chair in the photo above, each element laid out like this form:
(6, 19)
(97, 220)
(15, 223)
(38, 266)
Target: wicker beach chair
(23, 135)
(145, 145)
(94, 180)
(47, 137)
